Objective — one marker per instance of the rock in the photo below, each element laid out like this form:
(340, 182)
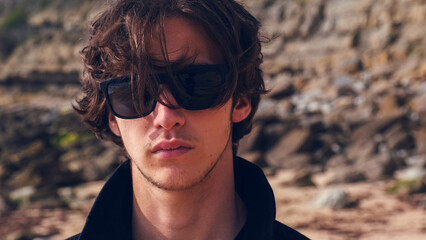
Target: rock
(375, 126)
(250, 142)
(422, 204)
(310, 101)
(419, 186)
(22, 195)
(27, 176)
(409, 67)
(284, 18)
(274, 46)
(34, 148)
(297, 161)
(65, 193)
(300, 83)
(295, 141)
(313, 16)
(282, 88)
(294, 161)
(255, 157)
(379, 63)
(347, 114)
(323, 179)
(314, 54)
(284, 108)
(416, 161)
(376, 38)
(269, 171)
(88, 190)
(84, 195)
(377, 167)
(343, 174)
(3, 207)
(267, 109)
(345, 17)
(411, 173)
(408, 187)
(294, 177)
(388, 107)
(421, 89)
(361, 149)
(335, 198)
(315, 83)
(47, 201)
(2, 171)
(345, 86)
(417, 103)
(350, 65)
(273, 132)
(343, 81)
(327, 44)
(303, 178)
(379, 87)
(398, 138)
(103, 160)
(337, 161)
(277, 65)
(270, 109)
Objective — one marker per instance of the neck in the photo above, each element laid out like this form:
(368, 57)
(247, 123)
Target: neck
(189, 213)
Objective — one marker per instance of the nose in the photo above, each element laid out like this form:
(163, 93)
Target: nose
(165, 117)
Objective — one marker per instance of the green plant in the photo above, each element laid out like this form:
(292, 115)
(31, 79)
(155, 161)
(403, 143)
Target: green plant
(14, 19)
(302, 3)
(66, 139)
(44, 3)
(22, 201)
(418, 50)
(402, 186)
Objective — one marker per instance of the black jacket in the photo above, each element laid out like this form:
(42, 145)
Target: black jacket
(110, 216)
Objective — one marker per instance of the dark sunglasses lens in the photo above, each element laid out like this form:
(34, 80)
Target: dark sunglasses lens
(198, 90)
(127, 104)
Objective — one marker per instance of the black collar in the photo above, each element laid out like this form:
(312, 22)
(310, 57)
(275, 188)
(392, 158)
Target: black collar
(111, 214)
(258, 197)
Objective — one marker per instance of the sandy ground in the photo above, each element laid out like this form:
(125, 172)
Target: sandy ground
(375, 216)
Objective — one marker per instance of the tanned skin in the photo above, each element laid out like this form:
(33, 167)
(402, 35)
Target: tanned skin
(182, 161)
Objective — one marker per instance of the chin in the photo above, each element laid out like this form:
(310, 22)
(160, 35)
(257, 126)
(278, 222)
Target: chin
(177, 174)
(173, 183)
(175, 178)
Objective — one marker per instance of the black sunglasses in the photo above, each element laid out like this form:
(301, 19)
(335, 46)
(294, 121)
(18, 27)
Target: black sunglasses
(195, 87)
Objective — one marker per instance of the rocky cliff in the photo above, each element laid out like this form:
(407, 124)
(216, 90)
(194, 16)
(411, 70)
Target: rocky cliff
(347, 81)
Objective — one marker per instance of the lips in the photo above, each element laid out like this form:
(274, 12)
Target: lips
(171, 148)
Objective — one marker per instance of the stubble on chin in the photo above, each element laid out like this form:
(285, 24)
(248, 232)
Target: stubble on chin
(181, 181)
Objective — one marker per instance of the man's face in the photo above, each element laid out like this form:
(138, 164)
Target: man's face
(175, 149)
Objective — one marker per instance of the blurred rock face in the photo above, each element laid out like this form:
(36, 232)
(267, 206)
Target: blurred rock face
(45, 149)
(347, 82)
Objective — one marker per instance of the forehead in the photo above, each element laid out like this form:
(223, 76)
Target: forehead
(185, 39)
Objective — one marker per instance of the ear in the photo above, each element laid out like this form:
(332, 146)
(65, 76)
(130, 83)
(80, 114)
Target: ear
(113, 125)
(241, 110)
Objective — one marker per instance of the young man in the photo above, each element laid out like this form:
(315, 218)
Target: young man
(176, 83)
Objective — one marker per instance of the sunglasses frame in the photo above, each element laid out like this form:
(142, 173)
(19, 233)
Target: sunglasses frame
(164, 78)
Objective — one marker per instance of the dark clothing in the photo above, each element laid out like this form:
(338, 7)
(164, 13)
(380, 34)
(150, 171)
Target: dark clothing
(111, 214)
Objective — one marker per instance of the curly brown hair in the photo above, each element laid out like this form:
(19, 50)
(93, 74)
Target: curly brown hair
(118, 46)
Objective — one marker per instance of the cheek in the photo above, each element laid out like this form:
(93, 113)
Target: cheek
(132, 133)
(215, 123)
(128, 126)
